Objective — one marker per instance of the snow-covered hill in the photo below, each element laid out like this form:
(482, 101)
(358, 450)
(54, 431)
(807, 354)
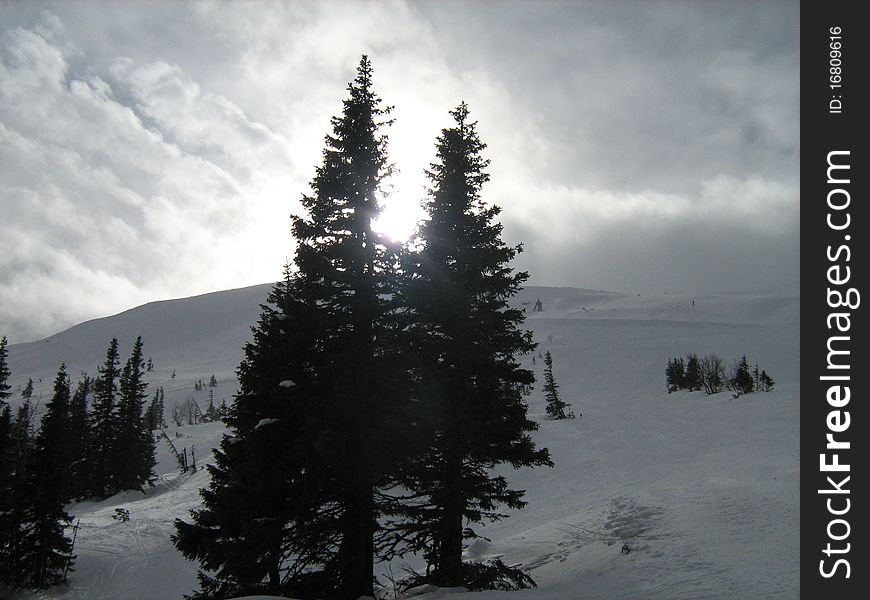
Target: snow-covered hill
(703, 489)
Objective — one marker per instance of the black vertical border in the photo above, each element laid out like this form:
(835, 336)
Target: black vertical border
(824, 131)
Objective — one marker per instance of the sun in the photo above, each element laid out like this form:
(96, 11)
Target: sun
(399, 218)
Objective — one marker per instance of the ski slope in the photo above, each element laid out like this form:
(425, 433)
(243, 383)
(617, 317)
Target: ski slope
(702, 489)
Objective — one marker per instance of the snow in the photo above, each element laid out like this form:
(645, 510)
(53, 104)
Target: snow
(264, 422)
(286, 384)
(703, 489)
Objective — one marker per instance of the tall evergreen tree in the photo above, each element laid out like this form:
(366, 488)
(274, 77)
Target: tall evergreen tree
(5, 461)
(5, 388)
(346, 276)
(14, 519)
(101, 482)
(134, 447)
(468, 380)
(79, 438)
(294, 489)
(45, 548)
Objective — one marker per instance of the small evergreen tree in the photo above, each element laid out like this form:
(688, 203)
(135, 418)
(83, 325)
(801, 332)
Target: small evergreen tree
(27, 392)
(211, 411)
(694, 380)
(675, 375)
(212, 382)
(159, 412)
(555, 405)
(741, 381)
(766, 381)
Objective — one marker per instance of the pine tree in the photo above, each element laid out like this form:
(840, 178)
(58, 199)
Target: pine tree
(346, 277)
(741, 381)
(468, 380)
(766, 381)
(694, 380)
(14, 519)
(211, 411)
(555, 405)
(102, 483)
(80, 438)
(5, 388)
(133, 448)
(161, 414)
(675, 375)
(45, 547)
(212, 382)
(27, 392)
(249, 532)
(6, 456)
(317, 394)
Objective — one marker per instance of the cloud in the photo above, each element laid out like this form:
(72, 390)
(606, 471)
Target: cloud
(117, 203)
(152, 150)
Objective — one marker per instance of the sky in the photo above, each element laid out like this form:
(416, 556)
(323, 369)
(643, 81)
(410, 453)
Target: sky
(151, 150)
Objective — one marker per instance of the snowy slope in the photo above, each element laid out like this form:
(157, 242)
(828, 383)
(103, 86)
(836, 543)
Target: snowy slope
(704, 489)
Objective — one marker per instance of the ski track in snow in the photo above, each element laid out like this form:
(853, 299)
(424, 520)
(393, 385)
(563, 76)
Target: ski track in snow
(702, 489)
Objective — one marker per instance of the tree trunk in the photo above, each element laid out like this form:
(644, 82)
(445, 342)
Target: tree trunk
(356, 552)
(449, 571)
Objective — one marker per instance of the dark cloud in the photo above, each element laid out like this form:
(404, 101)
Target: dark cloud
(156, 149)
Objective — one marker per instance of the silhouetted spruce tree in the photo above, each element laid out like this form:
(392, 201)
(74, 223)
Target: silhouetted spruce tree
(5, 462)
(154, 417)
(101, 480)
(555, 405)
(766, 381)
(133, 449)
(346, 276)
(675, 375)
(468, 380)
(250, 536)
(27, 392)
(13, 521)
(5, 388)
(315, 424)
(741, 381)
(45, 547)
(211, 411)
(694, 379)
(79, 439)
